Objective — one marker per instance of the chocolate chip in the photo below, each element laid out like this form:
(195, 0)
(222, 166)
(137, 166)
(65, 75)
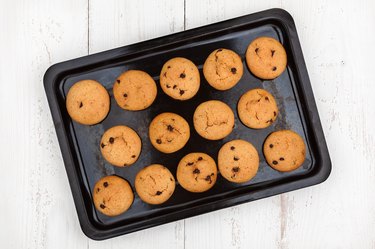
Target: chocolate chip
(102, 206)
(125, 95)
(219, 50)
(174, 86)
(190, 163)
(125, 165)
(281, 158)
(171, 179)
(196, 171)
(80, 105)
(233, 70)
(111, 140)
(182, 75)
(266, 98)
(200, 158)
(274, 113)
(274, 68)
(170, 128)
(158, 193)
(102, 145)
(232, 147)
(236, 169)
(165, 74)
(182, 92)
(208, 178)
(168, 86)
(105, 184)
(169, 67)
(274, 162)
(97, 190)
(236, 158)
(271, 146)
(118, 81)
(133, 156)
(158, 141)
(256, 50)
(272, 53)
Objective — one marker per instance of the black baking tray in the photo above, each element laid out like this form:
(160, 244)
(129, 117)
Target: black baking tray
(80, 144)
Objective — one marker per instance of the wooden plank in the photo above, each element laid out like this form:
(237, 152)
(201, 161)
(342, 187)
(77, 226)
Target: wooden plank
(37, 209)
(117, 23)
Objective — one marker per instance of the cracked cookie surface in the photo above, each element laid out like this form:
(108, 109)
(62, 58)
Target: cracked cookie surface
(87, 102)
(266, 58)
(238, 161)
(179, 78)
(213, 120)
(120, 146)
(257, 109)
(155, 184)
(169, 132)
(223, 69)
(284, 150)
(134, 90)
(112, 195)
(197, 172)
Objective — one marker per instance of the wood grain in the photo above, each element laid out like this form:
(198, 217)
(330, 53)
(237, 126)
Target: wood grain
(38, 210)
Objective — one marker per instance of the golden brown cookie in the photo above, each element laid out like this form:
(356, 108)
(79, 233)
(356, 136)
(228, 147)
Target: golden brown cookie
(169, 132)
(238, 161)
(213, 120)
(120, 146)
(179, 78)
(284, 150)
(223, 69)
(266, 58)
(257, 109)
(197, 172)
(87, 102)
(134, 90)
(112, 195)
(155, 184)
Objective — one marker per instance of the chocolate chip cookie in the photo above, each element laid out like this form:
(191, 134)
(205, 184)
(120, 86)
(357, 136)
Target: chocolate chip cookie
(223, 69)
(257, 109)
(169, 132)
(266, 58)
(213, 120)
(197, 172)
(112, 195)
(284, 150)
(134, 90)
(87, 102)
(179, 78)
(120, 146)
(155, 184)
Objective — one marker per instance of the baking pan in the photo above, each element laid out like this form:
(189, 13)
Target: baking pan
(80, 144)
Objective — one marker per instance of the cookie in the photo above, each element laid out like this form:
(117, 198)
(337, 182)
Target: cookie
(169, 132)
(112, 195)
(257, 109)
(134, 90)
(196, 172)
(87, 102)
(155, 184)
(179, 78)
(120, 146)
(284, 150)
(223, 69)
(213, 120)
(266, 58)
(238, 161)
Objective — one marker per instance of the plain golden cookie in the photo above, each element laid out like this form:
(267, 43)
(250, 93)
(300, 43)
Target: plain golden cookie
(213, 120)
(179, 78)
(266, 58)
(284, 150)
(257, 109)
(155, 184)
(120, 146)
(87, 102)
(223, 69)
(112, 195)
(169, 132)
(238, 161)
(134, 90)
(197, 172)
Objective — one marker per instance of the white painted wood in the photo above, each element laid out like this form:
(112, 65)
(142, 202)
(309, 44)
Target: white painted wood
(37, 209)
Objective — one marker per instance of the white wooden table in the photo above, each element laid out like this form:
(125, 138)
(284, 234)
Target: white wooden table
(37, 210)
